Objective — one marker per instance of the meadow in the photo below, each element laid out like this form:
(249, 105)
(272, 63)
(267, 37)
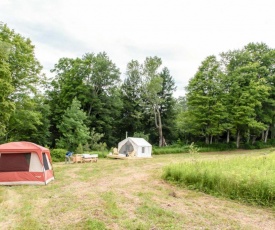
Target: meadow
(130, 194)
(248, 179)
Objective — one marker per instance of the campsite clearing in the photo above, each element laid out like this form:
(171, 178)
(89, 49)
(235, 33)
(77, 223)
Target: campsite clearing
(118, 194)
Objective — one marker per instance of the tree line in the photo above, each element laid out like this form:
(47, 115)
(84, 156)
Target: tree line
(231, 97)
(86, 103)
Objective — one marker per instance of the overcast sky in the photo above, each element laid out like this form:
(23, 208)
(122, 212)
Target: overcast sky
(181, 32)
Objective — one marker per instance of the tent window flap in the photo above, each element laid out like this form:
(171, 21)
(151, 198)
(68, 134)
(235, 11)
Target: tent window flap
(15, 162)
(45, 162)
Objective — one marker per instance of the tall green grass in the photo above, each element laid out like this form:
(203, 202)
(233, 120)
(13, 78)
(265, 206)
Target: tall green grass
(250, 179)
(170, 150)
(202, 147)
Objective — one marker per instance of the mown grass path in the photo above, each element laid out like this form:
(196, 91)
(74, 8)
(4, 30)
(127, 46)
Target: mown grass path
(125, 194)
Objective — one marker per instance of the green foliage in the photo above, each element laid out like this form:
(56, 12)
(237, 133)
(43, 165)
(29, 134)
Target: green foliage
(79, 149)
(23, 65)
(94, 143)
(216, 146)
(94, 80)
(257, 145)
(193, 149)
(229, 98)
(169, 150)
(147, 95)
(58, 155)
(20, 77)
(101, 154)
(24, 123)
(141, 135)
(199, 147)
(42, 134)
(6, 88)
(168, 106)
(72, 127)
(206, 111)
(132, 119)
(243, 178)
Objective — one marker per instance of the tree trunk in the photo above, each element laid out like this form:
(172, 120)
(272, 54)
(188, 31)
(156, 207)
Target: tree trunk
(228, 136)
(158, 124)
(207, 139)
(263, 135)
(266, 134)
(248, 137)
(272, 129)
(238, 139)
(254, 139)
(163, 141)
(160, 137)
(211, 139)
(90, 110)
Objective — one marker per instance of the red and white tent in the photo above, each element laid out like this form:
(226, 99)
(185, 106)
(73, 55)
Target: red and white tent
(25, 163)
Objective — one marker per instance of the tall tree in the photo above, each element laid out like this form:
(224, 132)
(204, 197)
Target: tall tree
(42, 134)
(66, 85)
(102, 101)
(72, 127)
(246, 92)
(24, 121)
(264, 57)
(167, 107)
(6, 88)
(24, 68)
(147, 99)
(152, 87)
(22, 76)
(132, 116)
(182, 119)
(204, 99)
(94, 80)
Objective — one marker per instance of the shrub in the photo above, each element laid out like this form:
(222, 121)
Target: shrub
(193, 149)
(58, 155)
(79, 149)
(257, 145)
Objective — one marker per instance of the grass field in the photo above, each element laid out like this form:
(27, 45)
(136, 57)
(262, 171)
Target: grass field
(126, 194)
(245, 178)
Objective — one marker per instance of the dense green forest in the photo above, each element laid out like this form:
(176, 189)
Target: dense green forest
(230, 99)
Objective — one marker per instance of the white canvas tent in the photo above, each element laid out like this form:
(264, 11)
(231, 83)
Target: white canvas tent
(141, 147)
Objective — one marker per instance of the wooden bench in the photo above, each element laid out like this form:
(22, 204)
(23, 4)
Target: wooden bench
(90, 157)
(83, 158)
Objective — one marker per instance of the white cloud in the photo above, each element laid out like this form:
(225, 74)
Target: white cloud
(181, 32)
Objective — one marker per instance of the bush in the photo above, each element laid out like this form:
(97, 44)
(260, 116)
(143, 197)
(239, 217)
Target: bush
(193, 149)
(216, 146)
(257, 145)
(58, 155)
(79, 149)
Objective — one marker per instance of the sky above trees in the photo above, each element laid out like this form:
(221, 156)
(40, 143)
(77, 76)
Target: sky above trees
(181, 33)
